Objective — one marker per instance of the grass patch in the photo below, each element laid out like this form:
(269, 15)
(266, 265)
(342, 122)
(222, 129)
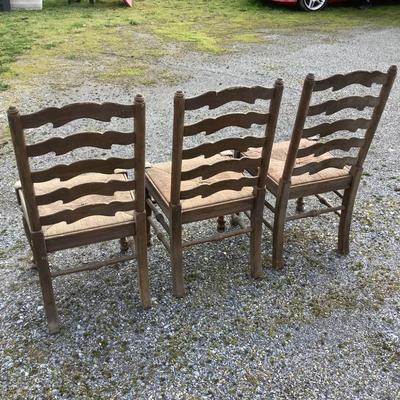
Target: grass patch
(109, 36)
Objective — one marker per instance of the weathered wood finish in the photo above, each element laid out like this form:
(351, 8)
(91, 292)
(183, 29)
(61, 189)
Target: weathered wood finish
(314, 167)
(174, 211)
(212, 148)
(212, 125)
(216, 99)
(336, 144)
(207, 171)
(63, 145)
(333, 106)
(207, 189)
(75, 214)
(65, 172)
(61, 116)
(326, 129)
(69, 194)
(348, 182)
(33, 220)
(339, 81)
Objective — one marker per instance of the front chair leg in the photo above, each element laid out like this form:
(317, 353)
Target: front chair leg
(123, 245)
(300, 204)
(141, 256)
(221, 224)
(176, 251)
(40, 255)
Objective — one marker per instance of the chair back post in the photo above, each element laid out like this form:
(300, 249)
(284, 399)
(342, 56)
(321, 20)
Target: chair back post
(270, 130)
(298, 126)
(376, 116)
(139, 150)
(177, 145)
(21, 156)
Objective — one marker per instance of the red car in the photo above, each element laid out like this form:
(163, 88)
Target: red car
(308, 5)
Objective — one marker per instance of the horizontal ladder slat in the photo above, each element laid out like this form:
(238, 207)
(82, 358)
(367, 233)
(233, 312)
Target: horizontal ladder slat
(100, 188)
(336, 144)
(339, 81)
(211, 125)
(67, 171)
(216, 99)
(333, 106)
(210, 149)
(61, 116)
(63, 145)
(232, 164)
(70, 215)
(314, 167)
(351, 125)
(206, 190)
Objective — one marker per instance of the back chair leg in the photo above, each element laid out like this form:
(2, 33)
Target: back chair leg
(279, 226)
(347, 214)
(141, 256)
(256, 218)
(255, 248)
(40, 255)
(176, 251)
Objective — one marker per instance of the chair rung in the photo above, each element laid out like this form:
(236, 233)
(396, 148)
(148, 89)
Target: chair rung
(92, 266)
(160, 235)
(269, 206)
(215, 238)
(159, 217)
(315, 213)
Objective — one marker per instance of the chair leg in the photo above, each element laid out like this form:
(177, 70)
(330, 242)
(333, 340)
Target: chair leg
(347, 214)
(278, 229)
(300, 204)
(40, 255)
(221, 224)
(176, 251)
(255, 243)
(141, 256)
(123, 245)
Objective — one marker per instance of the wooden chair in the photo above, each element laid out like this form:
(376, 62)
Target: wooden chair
(87, 201)
(304, 167)
(201, 183)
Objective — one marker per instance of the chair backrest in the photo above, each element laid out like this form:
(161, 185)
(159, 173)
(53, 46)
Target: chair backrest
(63, 145)
(236, 144)
(330, 107)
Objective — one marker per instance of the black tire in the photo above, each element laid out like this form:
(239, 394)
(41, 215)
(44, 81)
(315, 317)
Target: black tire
(307, 5)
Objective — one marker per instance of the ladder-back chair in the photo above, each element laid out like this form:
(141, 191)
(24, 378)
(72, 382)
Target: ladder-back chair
(203, 182)
(306, 166)
(86, 201)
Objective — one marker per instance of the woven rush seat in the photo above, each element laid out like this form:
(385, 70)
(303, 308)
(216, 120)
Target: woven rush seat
(159, 177)
(84, 224)
(278, 159)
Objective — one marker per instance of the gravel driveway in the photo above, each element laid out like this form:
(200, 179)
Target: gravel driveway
(327, 327)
